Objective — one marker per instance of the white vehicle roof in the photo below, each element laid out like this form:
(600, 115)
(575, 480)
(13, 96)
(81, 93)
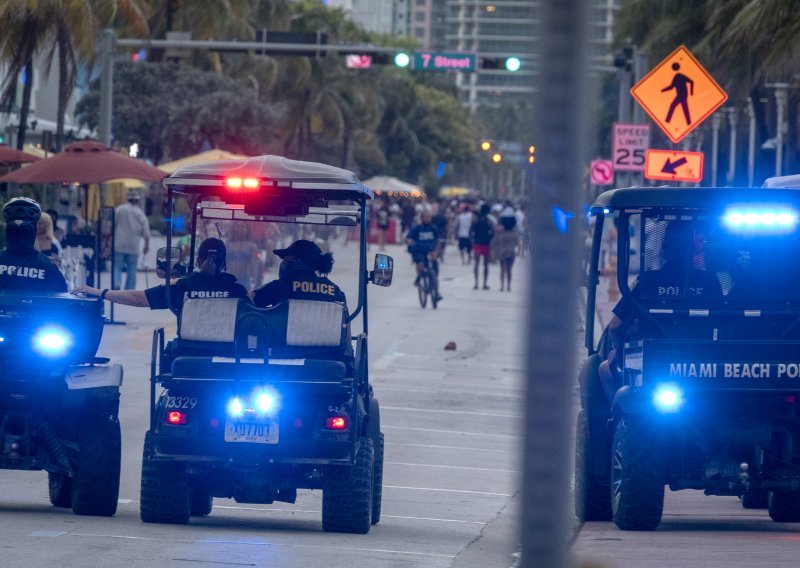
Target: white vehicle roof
(792, 181)
(271, 171)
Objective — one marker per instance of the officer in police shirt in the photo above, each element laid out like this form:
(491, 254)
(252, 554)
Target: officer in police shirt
(302, 276)
(210, 281)
(23, 268)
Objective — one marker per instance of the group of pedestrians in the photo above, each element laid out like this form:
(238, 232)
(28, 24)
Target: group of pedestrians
(483, 231)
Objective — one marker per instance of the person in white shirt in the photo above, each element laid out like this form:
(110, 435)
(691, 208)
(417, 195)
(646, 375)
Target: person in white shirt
(130, 225)
(463, 226)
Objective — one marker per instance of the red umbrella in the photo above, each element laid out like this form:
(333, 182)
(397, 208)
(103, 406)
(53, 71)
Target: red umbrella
(12, 156)
(85, 162)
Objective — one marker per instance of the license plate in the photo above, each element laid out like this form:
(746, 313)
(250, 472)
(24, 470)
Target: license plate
(253, 430)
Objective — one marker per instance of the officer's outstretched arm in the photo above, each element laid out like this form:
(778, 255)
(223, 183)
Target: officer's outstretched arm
(135, 298)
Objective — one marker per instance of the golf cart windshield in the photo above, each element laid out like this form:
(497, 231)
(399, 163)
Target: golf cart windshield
(738, 256)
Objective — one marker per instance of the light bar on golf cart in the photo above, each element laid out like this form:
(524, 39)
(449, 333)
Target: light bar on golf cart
(265, 173)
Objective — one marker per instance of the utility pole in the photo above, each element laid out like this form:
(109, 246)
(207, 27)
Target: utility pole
(106, 85)
(562, 124)
(781, 97)
(751, 143)
(733, 119)
(716, 123)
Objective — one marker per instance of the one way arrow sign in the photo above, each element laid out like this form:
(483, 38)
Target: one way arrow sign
(668, 165)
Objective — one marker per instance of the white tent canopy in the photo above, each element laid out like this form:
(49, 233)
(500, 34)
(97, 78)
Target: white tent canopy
(388, 184)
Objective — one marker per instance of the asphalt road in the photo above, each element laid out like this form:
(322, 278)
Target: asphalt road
(451, 420)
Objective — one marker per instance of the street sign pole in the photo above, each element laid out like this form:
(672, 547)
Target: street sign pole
(733, 119)
(716, 123)
(106, 86)
(751, 143)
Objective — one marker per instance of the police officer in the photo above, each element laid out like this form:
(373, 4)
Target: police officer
(22, 266)
(302, 276)
(210, 281)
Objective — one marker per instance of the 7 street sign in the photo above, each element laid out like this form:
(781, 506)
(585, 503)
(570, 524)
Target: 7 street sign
(465, 62)
(630, 144)
(674, 166)
(679, 94)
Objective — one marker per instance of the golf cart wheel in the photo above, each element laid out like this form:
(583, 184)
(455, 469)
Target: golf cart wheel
(784, 506)
(592, 496)
(756, 499)
(165, 495)
(637, 477)
(377, 480)
(202, 502)
(95, 488)
(347, 493)
(60, 489)
(422, 290)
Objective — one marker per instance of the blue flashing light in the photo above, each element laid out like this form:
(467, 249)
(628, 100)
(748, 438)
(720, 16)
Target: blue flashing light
(236, 407)
(760, 220)
(52, 341)
(266, 402)
(668, 398)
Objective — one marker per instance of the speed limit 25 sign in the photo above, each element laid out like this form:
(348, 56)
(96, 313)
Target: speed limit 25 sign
(631, 142)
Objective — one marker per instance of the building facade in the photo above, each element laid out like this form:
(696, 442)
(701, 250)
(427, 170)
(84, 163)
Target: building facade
(377, 16)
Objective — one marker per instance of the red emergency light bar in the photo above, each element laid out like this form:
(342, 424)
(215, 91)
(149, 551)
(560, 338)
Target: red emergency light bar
(240, 184)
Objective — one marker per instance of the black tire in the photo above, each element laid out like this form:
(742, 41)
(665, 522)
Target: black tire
(60, 489)
(422, 290)
(347, 493)
(165, 495)
(95, 488)
(637, 477)
(377, 480)
(202, 502)
(784, 506)
(592, 495)
(756, 499)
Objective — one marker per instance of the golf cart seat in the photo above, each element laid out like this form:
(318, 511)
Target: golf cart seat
(230, 339)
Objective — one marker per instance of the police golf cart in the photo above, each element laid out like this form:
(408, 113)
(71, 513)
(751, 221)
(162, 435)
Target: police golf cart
(58, 402)
(260, 402)
(696, 385)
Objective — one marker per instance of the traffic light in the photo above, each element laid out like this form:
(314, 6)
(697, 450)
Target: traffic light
(400, 59)
(531, 156)
(512, 64)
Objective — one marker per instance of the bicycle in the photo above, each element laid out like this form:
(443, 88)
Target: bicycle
(429, 282)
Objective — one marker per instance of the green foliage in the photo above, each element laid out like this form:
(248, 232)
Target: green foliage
(172, 110)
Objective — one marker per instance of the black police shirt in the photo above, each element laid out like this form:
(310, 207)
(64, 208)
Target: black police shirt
(195, 286)
(298, 284)
(29, 271)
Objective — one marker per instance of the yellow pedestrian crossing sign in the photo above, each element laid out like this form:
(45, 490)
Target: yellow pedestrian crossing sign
(679, 94)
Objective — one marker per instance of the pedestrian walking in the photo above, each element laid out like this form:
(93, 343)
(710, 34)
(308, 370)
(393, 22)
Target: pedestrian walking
(464, 223)
(130, 225)
(505, 244)
(382, 217)
(46, 241)
(481, 235)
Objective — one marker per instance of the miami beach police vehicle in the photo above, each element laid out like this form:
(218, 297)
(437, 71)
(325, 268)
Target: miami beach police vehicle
(58, 401)
(695, 380)
(259, 401)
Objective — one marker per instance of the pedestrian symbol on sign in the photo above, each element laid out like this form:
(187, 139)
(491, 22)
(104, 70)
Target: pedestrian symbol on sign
(679, 83)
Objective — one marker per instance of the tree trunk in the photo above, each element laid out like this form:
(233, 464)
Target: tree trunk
(26, 104)
(345, 148)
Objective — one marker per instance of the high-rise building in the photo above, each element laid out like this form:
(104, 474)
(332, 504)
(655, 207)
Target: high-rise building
(378, 16)
(428, 23)
(494, 29)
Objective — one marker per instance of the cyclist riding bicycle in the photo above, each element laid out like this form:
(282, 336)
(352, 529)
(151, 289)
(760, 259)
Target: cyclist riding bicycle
(422, 241)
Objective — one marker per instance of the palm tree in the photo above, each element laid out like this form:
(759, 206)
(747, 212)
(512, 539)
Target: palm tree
(59, 26)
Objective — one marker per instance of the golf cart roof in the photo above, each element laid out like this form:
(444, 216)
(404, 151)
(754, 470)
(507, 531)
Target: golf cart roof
(691, 197)
(267, 173)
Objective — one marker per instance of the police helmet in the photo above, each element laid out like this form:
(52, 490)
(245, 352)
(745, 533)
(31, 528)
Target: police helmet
(22, 211)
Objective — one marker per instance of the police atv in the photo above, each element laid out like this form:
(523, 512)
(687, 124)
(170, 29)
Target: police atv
(257, 403)
(695, 382)
(58, 402)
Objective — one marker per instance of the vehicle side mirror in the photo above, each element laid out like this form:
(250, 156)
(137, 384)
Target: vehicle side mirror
(178, 263)
(382, 270)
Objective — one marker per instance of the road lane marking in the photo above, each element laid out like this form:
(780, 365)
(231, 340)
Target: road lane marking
(319, 512)
(513, 436)
(438, 389)
(439, 411)
(454, 467)
(447, 490)
(257, 543)
(462, 448)
(48, 534)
